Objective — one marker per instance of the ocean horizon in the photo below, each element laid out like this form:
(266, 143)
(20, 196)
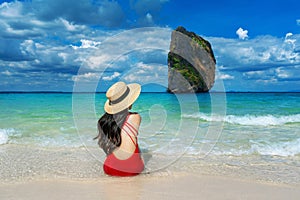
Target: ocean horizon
(213, 91)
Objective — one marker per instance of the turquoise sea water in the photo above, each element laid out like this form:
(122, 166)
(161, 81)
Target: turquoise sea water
(235, 129)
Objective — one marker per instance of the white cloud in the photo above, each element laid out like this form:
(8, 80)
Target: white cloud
(298, 22)
(109, 78)
(89, 44)
(86, 44)
(256, 54)
(254, 74)
(260, 62)
(144, 66)
(243, 34)
(290, 40)
(224, 76)
(267, 81)
(7, 73)
(28, 48)
(117, 47)
(71, 26)
(273, 75)
(281, 73)
(149, 18)
(11, 10)
(148, 73)
(288, 35)
(87, 77)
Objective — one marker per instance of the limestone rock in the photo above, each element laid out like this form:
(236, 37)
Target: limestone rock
(191, 63)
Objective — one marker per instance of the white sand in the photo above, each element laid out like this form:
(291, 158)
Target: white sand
(143, 187)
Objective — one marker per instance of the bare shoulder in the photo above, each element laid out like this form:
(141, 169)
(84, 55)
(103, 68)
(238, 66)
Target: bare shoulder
(135, 119)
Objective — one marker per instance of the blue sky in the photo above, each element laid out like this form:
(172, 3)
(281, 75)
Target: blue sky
(48, 45)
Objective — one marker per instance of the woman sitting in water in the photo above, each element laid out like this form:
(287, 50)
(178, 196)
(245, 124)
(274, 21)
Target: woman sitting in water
(118, 131)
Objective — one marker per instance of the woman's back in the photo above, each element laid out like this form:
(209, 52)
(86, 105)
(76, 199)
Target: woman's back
(129, 135)
(126, 159)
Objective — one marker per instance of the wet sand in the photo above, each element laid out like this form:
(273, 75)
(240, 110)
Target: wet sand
(33, 173)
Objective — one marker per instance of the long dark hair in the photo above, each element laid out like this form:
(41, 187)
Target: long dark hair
(109, 130)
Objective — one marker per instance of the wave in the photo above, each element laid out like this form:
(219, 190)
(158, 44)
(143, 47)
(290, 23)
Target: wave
(4, 135)
(62, 139)
(289, 148)
(282, 148)
(249, 120)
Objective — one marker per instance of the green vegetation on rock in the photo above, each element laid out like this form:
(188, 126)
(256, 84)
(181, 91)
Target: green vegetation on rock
(202, 42)
(191, 63)
(187, 70)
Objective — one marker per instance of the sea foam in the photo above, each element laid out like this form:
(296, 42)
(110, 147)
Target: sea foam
(280, 148)
(289, 148)
(249, 120)
(3, 136)
(7, 133)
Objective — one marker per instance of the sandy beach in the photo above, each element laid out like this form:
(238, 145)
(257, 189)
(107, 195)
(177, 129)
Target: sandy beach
(143, 187)
(38, 174)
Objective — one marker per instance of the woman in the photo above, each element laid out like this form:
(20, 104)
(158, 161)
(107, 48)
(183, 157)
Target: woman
(118, 131)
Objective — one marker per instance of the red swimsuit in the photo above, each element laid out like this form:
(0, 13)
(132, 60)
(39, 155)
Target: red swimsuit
(132, 166)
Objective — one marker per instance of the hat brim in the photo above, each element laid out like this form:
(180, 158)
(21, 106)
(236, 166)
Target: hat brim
(134, 92)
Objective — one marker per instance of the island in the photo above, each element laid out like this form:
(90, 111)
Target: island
(191, 63)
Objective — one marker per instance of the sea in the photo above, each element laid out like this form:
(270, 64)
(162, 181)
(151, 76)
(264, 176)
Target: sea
(242, 135)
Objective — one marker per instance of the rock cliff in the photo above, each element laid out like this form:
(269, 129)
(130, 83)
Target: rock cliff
(191, 63)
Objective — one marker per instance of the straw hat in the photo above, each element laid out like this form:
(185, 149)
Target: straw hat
(120, 96)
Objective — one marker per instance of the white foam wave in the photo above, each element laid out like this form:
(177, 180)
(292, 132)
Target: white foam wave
(290, 148)
(4, 135)
(284, 149)
(250, 120)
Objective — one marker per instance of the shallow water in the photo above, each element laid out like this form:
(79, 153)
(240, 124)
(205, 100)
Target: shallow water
(253, 134)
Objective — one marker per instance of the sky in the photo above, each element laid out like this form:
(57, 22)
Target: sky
(87, 45)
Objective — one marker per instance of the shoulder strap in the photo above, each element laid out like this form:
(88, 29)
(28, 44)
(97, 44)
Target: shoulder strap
(131, 128)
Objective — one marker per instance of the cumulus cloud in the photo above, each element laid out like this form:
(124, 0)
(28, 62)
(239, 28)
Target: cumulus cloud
(87, 77)
(71, 26)
(85, 44)
(224, 76)
(243, 34)
(290, 40)
(137, 55)
(48, 44)
(154, 73)
(274, 75)
(113, 76)
(283, 74)
(263, 59)
(258, 53)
